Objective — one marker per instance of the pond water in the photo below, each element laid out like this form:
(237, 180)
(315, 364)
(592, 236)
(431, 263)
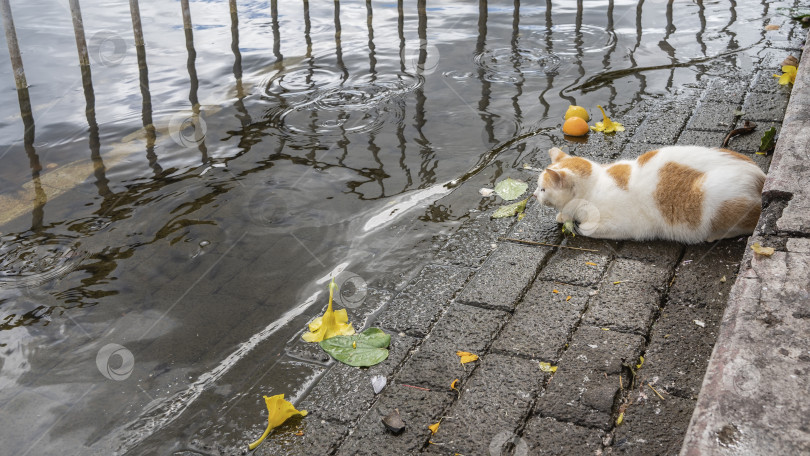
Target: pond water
(172, 214)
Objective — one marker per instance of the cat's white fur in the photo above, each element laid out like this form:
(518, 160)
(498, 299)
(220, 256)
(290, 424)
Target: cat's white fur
(689, 194)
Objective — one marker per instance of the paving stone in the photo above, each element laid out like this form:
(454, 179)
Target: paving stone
(713, 116)
(698, 277)
(730, 90)
(770, 59)
(680, 346)
(653, 426)
(587, 381)
(749, 144)
(345, 393)
(463, 328)
(543, 321)
(539, 225)
(474, 240)
(418, 408)
(317, 437)
(572, 266)
(765, 107)
(501, 281)
(631, 304)
(547, 436)
(765, 82)
(702, 138)
(495, 399)
(664, 253)
(416, 308)
(666, 121)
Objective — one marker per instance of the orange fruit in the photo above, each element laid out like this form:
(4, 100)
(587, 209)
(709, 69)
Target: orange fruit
(577, 111)
(575, 126)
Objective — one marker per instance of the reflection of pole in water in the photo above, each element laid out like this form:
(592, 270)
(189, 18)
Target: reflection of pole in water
(244, 116)
(480, 47)
(13, 45)
(146, 96)
(372, 59)
(578, 46)
(515, 41)
(702, 31)
(192, 74)
(276, 31)
(632, 56)
(338, 46)
(401, 125)
(401, 33)
(606, 60)
(666, 47)
(427, 167)
(99, 170)
(40, 198)
(307, 29)
(550, 50)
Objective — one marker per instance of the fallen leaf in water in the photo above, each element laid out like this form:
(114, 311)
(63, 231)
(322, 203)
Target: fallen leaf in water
(332, 323)
(510, 189)
(393, 422)
(547, 367)
(510, 209)
(770, 27)
(760, 250)
(466, 357)
(607, 125)
(278, 411)
(788, 75)
(767, 141)
(368, 348)
(434, 427)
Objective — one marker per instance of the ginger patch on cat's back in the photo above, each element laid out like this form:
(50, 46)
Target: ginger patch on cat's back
(645, 157)
(679, 194)
(620, 174)
(577, 165)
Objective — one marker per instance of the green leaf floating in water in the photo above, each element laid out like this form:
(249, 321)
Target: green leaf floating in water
(511, 209)
(767, 141)
(510, 189)
(368, 348)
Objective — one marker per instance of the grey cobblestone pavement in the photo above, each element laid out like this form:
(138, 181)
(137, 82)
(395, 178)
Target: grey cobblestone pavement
(594, 315)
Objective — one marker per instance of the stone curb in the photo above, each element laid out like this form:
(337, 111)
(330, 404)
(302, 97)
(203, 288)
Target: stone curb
(754, 395)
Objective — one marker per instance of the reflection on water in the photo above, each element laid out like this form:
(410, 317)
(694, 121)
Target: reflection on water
(186, 184)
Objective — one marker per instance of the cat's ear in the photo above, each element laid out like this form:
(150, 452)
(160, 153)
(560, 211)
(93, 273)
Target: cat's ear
(555, 179)
(556, 154)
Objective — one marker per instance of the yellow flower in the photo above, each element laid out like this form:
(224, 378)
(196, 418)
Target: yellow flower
(278, 411)
(788, 75)
(331, 324)
(607, 125)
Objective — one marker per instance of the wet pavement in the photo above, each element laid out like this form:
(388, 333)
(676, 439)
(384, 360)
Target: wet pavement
(592, 308)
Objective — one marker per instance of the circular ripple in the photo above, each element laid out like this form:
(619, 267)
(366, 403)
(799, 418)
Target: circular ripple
(511, 65)
(357, 105)
(28, 262)
(567, 40)
(297, 85)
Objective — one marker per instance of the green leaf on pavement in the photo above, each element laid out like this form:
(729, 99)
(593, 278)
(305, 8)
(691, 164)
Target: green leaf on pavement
(767, 141)
(510, 189)
(510, 209)
(368, 348)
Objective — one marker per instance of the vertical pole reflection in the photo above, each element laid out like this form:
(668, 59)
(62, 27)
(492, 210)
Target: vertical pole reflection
(666, 47)
(338, 46)
(276, 31)
(702, 31)
(480, 47)
(427, 168)
(40, 198)
(244, 115)
(146, 96)
(549, 49)
(192, 74)
(639, 74)
(401, 125)
(606, 60)
(516, 60)
(578, 44)
(99, 170)
(307, 28)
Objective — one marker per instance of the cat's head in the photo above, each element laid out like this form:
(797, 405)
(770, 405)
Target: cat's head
(556, 184)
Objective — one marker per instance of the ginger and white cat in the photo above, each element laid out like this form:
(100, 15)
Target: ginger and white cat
(689, 194)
